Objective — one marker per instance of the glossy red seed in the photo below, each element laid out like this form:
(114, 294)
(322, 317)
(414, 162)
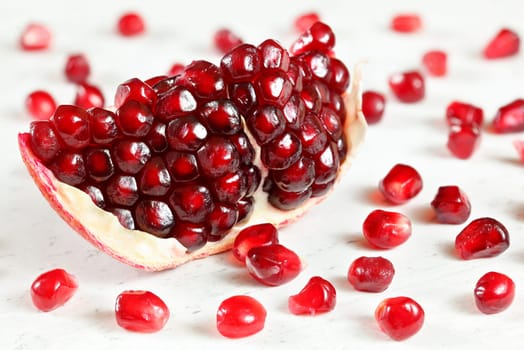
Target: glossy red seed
(72, 124)
(317, 297)
(408, 87)
(186, 133)
(222, 117)
(217, 157)
(155, 179)
(183, 166)
(371, 274)
(141, 311)
(103, 126)
(225, 40)
(122, 190)
(154, 217)
(40, 105)
(482, 238)
(436, 63)
(244, 96)
(223, 218)
(240, 316)
(464, 113)
(406, 23)
(191, 203)
(399, 317)
(240, 64)
(254, 236)
(77, 68)
(505, 43)
(273, 55)
(386, 229)
(131, 24)
(281, 152)
(273, 265)
(175, 102)
(305, 21)
(273, 88)
(297, 177)
(266, 123)
(327, 164)
(69, 167)
(44, 140)
(312, 135)
(338, 77)
(203, 79)
(318, 37)
(191, 236)
(229, 188)
(451, 205)
(35, 37)
(400, 184)
(288, 200)
(509, 118)
(99, 164)
(53, 289)
(131, 156)
(373, 105)
(125, 217)
(134, 119)
(88, 96)
(463, 140)
(134, 89)
(494, 292)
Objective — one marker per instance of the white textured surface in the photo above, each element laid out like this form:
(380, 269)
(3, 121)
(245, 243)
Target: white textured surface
(33, 239)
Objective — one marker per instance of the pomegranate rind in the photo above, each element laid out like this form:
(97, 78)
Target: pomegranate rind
(145, 251)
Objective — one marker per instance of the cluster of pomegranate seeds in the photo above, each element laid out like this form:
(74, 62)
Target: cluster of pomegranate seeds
(253, 236)
(40, 105)
(240, 316)
(318, 296)
(436, 63)
(77, 68)
(373, 105)
(273, 264)
(465, 125)
(505, 43)
(509, 118)
(53, 289)
(35, 37)
(131, 24)
(371, 274)
(141, 311)
(451, 205)
(400, 184)
(408, 87)
(399, 317)
(406, 23)
(494, 292)
(482, 238)
(305, 21)
(225, 40)
(386, 229)
(88, 96)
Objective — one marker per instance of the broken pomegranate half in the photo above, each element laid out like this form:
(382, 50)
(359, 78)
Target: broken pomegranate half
(177, 169)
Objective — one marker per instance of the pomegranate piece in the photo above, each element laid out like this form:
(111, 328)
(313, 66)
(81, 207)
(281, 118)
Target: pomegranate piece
(240, 316)
(406, 23)
(225, 40)
(318, 37)
(509, 118)
(77, 68)
(506, 43)
(140, 311)
(494, 292)
(40, 105)
(399, 317)
(373, 105)
(463, 140)
(254, 236)
(386, 229)
(305, 21)
(408, 87)
(436, 63)
(131, 24)
(273, 265)
(451, 205)
(88, 96)
(35, 37)
(464, 113)
(400, 184)
(318, 296)
(482, 238)
(53, 289)
(371, 274)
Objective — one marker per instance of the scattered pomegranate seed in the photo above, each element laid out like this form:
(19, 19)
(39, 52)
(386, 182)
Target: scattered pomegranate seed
(386, 229)
(406, 23)
(318, 37)
(482, 238)
(88, 96)
(463, 140)
(408, 87)
(399, 317)
(225, 40)
(53, 289)
(240, 316)
(305, 21)
(519, 147)
(506, 43)
(510, 118)
(140, 311)
(318, 296)
(273, 265)
(40, 105)
(254, 236)
(176, 69)
(464, 113)
(131, 24)
(373, 105)
(35, 37)
(400, 184)
(77, 68)
(371, 274)
(436, 63)
(451, 205)
(494, 292)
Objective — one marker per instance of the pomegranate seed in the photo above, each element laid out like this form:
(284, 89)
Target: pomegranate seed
(273, 265)
(401, 184)
(134, 89)
(203, 79)
(371, 274)
(318, 296)
(155, 80)
(72, 124)
(305, 21)
(482, 238)
(131, 24)
(254, 236)
(77, 68)
(35, 37)
(154, 217)
(240, 64)
(88, 96)
(510, 118)
(494, 292)
(373, 105)
(408, 87)
(506, 43)
(225, 40)
(406, 23)
(399, 317)
(435, 63)
(53, 289)
(464, 113)
(103, 126)
(191, 236)
(463, 140)
(318, 37)
(40, 105)
(451, 205)
(386, 229)
(44, 140)
(140, 311)
(240, 316)
(176, 69)
(519, 147)
(273, 55)
(134, 119)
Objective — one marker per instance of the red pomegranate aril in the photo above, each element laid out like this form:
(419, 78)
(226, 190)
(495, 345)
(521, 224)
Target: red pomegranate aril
(463, 140)
(408, 87)
(69, 167)
(482, 238)
(240, 64)
(35, 37)
(53, 289)
(331, 122)
(141, 311)
(312, 135)
(203, 79)
(273, 88)
(281, 152)
(240, 316)
(305, 21)
(509, 118)
(154, 217)
(436, 63)
(253, 236)
(40, 105)
(326, 165)
(406, 23)
(134, 119)
(386, 229)
(316, 64)
(399, 317)
(155, 179)
(191, 203)
(186, 134)
(174, 103)
(230, 188)
(338, 77)
(273, 55)
(245, 208)
(99, 164)
(176, 69)
(294, 112)
(102, 126)
(223, 218)
(217, 157)
(317, 297)
(244, 96)
(400, 184)
(122, 190)
(318, 37)
(494, 292)
(225, 40)
(273, 265)
(253, 177)
(125, 217)
(297, 177)
(77, 68)
(506, 43)
(131, 24)
(72, 125)
(131, 156)
(156, 139)
(88, 96)
(134, 89)
(266, 123)
(451, 205)
(96, 194)
(288, 200)
(191, 236)
(373, 105)
(155, 80)
(464, 113)
(371, 274)
(44, 141)
(183, 166)
(222, 117)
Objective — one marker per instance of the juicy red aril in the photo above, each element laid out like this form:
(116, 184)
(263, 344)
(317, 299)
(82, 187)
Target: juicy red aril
(223, 218)
(155, 179)
(175, 102)
(373, 105)
(494, 292)
(72, 124)
(266, 123)
(222, 117)
(141, 311)
(186, 133)
(510, 118)
(463, 140)
(451, 205)
(125, 217)
(305, 21)
(240, 316)
(386, 229)
(191, 236)
(191, 203)
(88, 96)
(203, 79)
(175, 69)
(182, 166)
(408, 87)
(241, 63)
(273, 55)
(281, 152)
(371, 274)
(399, 317)
(77, 68)
(122, 190)
(99, 164)
(131, 24)
(286, 200)
(44, 141)
(482, 238)
(406, 23)
(318, 296)
(506, 43)
(318, 37)
(70, 168)
(400, 184)
(254, 236)
(217, 157)
(274, 88)
(103, 126)
(40, 105)
(53, 289)
(154, 217)
(436, 63)
(464, 113)
(273, 265)
(225, 40)
(35, 37)
(134, 89)
(298, 176)
(131, 156)
(134, 119)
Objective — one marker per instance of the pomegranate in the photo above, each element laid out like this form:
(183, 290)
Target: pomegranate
(318, 296)
(408, 87)
(506, 43)
(371, 274)
(494, 292)
(386, 229)
(451, 205)
(254, 236)
(399, 317)
(400, 184)
(273, 264)
(40, 104)
(77, 68)
(463, 140)
(141, 311)
(175, 170)
(240, 316)
(373, 105)
(53, 289)
(131, 24)
(482, 238)
(88, 95)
